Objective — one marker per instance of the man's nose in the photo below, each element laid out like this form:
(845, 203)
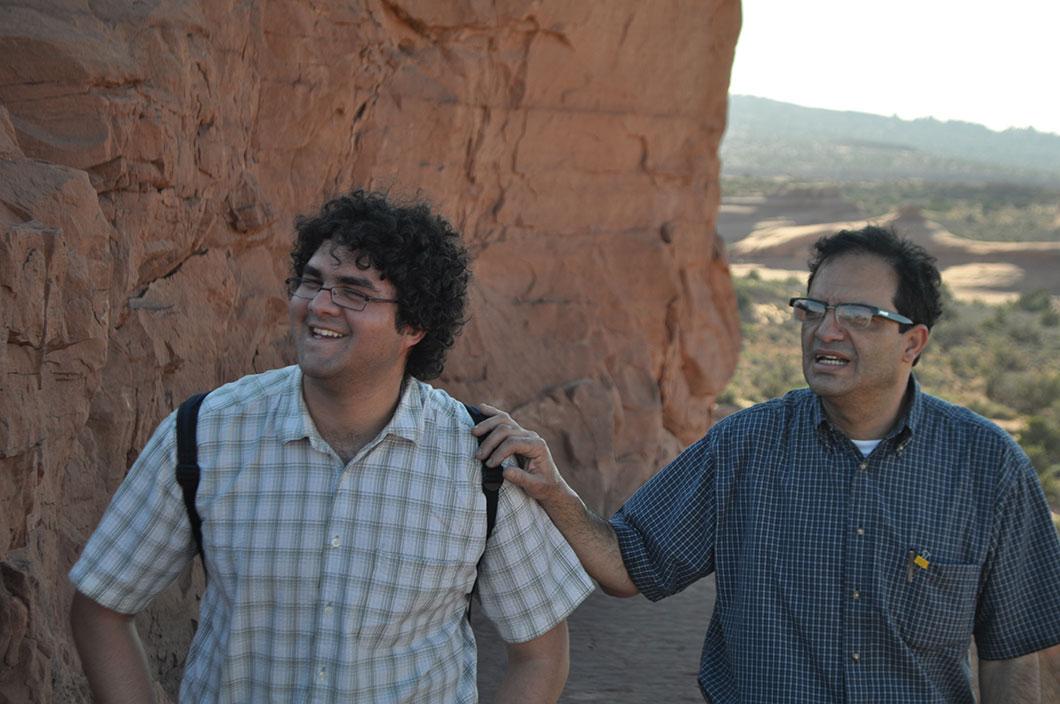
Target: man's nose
(829, 327)
(323, 302)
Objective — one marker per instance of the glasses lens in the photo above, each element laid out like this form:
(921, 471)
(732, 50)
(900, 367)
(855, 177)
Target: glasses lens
(807, 309)
(348, 298)
(853, 315)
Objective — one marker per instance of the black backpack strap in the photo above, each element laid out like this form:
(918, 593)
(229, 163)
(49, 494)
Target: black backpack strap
(492, 479)
(188, 465)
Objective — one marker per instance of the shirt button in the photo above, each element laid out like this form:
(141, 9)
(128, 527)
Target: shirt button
(863, 466)
(861, 531)
(323, 673)
(328, 610)
(855, 657)
(856, 594)
(335, 542)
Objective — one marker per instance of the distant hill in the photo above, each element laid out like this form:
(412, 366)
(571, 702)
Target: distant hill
(768, 138)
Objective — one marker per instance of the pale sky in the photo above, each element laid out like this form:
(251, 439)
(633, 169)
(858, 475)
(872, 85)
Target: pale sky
(995, 64)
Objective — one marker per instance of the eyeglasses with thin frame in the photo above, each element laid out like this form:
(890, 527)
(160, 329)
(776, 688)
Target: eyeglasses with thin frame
(855, 316)
(342, 296)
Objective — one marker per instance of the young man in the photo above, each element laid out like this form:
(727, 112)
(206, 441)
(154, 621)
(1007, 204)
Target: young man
(861, 532)
(342, 508)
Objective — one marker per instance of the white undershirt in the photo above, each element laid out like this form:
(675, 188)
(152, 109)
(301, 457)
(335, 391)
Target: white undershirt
(866, 446)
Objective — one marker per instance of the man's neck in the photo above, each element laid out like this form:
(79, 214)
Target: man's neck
(349, 416)
(865, 419)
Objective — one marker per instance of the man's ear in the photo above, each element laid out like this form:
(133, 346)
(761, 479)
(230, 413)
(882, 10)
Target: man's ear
(916, 339)
(412, 335)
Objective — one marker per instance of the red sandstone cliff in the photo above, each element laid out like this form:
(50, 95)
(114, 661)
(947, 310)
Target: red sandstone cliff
(154, 154)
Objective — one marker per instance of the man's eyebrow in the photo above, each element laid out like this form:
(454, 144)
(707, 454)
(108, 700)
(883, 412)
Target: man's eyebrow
(358, 281)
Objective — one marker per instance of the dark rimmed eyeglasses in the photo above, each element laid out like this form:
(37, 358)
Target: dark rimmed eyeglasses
(342, 296)
(855, 316)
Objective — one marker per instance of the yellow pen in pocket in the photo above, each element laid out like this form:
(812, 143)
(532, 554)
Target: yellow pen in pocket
(914, 559)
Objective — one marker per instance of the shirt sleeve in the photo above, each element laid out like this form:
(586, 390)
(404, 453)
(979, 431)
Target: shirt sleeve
(666, 529)
(143, 541)
(530, 580)
(1019, 605)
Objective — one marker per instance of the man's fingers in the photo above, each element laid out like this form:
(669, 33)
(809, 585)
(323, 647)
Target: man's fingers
(529, 446)
(498, 433)
(496, 417)
(516, 475)
(520, 477)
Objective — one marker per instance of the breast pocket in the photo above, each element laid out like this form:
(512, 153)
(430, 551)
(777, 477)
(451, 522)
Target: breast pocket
(936, 607)
(410, 591)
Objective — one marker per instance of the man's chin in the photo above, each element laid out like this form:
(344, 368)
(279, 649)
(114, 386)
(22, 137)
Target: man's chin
(314, 368)
(826, 384)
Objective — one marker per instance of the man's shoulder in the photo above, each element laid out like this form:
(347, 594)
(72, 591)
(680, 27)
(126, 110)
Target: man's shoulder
(441, 410)
(774, 413)
(946, 417)
(982, 445)
(252, 391)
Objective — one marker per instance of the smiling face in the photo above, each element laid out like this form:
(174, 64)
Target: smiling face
(858, 370)
(340, 348)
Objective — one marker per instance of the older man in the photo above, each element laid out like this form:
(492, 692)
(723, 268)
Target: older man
(861, 532)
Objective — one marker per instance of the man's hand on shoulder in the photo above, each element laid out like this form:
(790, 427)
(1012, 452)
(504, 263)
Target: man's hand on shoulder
(502, 437)
(591, 537)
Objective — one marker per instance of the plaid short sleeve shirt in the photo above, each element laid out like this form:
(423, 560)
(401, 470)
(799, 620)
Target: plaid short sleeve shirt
(331, 582)
(842, 578)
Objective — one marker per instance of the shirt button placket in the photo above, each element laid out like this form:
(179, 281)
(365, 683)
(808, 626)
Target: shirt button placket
(856, 570)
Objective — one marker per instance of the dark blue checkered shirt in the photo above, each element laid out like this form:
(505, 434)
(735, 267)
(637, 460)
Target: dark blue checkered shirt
(850, 579)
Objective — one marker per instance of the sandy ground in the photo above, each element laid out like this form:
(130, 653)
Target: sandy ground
(989, 282)
(631, 651)
(623, 651)
(772, 236)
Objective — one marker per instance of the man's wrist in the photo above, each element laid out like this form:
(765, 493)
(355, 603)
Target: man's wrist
(564, 503)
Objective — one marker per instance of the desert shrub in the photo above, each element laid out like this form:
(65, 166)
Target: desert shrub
(1040, 439)
(1025, 391)
(1035, 301)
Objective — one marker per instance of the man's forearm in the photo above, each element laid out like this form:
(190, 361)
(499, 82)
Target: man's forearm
(593, 540)
(1014, 681)
(111, 654)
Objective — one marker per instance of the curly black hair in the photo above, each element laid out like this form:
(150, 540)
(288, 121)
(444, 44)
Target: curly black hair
(418, 252)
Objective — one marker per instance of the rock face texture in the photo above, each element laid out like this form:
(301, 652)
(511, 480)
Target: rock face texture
(154, 154)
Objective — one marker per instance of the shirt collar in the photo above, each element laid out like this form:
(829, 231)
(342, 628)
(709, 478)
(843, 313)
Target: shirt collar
(293, 421)
(902, 430)
(407, 421)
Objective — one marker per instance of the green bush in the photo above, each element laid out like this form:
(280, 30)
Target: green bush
(1036, 301)
(1025, 391)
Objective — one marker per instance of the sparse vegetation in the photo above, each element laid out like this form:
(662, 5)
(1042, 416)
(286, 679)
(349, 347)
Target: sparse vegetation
(1000, 361)
(1002, 212)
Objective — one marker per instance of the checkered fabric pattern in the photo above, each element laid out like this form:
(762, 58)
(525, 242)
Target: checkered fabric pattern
(331, 582)
(842, 578)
